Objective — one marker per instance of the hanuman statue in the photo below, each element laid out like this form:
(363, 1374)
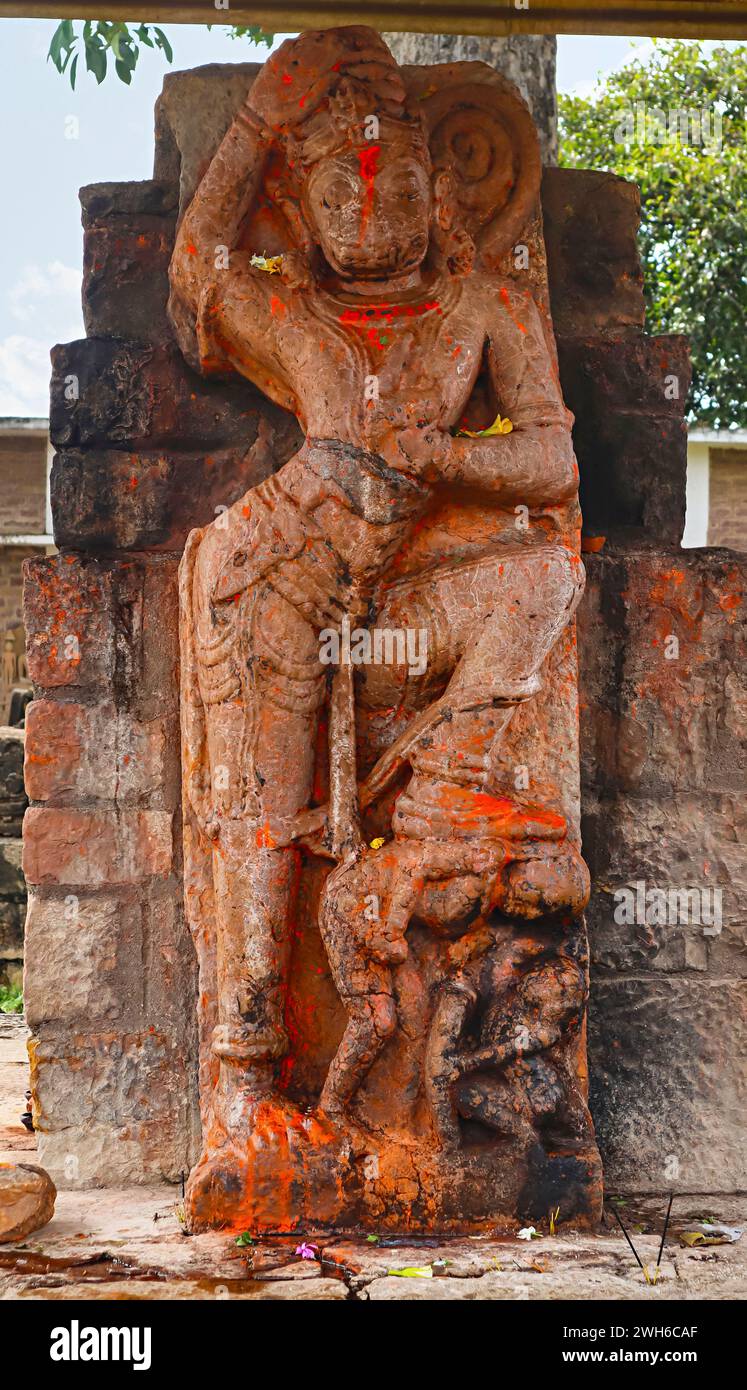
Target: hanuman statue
(380, 322)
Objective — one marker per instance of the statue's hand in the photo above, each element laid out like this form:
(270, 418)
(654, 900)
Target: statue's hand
(414, 449)
(479, 1059)
(254, 123)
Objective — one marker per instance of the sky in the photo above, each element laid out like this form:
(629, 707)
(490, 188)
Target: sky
(43, 168)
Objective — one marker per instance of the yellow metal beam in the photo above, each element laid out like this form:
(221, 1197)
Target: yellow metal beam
(665, 18)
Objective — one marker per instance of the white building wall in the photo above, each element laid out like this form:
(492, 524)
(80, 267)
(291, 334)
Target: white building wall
(696, 513)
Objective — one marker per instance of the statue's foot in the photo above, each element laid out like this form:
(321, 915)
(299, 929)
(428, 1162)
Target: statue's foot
(260, 1165)
(346, 1126)
(216, 1188)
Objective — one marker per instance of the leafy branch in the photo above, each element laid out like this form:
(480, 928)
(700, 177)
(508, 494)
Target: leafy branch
(99, 40)
(11, 999)
(693, 235)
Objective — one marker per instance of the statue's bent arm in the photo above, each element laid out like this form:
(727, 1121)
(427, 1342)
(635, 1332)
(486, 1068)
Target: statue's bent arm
(225, 194)
(535, 463)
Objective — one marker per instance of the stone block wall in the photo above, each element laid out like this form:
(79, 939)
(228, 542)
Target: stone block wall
(663, 693)
(23, 507)
(727, 497)
(663, 740)
(145, 451)
(109, 973)
(12, 885)
(23, 480)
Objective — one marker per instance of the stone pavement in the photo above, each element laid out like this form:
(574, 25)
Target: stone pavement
(130, 1244)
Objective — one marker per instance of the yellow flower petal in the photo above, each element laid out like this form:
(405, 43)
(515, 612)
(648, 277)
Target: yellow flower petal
(271, 264)
(498, 426)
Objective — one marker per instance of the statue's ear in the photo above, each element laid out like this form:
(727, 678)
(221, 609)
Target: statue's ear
(481, 133)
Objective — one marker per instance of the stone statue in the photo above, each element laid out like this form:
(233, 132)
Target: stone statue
(357, 633)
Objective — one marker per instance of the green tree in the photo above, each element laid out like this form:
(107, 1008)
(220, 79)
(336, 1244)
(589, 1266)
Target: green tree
(100, 39)
(675, 122)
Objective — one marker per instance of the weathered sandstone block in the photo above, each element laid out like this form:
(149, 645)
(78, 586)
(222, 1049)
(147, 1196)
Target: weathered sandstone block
(663, 643)
(69, 611)
(94, 946)
(593, 262)
(669, 1082)
(123, 957)
(692, 847)
(128, 237)
(131, 1121)
(96, 752)
(106, 625)
(663, 737)
(110, 394)
(92, 848)
(27, 1197)
(628, 397)
(115, 499)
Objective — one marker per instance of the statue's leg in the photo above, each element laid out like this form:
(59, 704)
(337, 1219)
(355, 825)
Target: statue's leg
(349, 920)
(254, 890)
(456, 1002)
(372, 1019)
(490, 626)
(261, 747)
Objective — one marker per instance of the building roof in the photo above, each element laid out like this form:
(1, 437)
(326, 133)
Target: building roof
(700, 434)
(14, 424)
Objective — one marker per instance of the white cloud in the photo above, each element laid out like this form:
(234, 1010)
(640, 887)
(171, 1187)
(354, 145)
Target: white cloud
(57, 281)
(45, 302)
(585, 62)
(25, 370)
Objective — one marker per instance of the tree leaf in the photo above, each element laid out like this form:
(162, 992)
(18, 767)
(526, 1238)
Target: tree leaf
(96, 58)
(163, 43)
(101, 35)
(61, 42)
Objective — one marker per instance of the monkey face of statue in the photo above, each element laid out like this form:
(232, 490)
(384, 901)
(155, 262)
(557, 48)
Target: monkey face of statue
(369, 209)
